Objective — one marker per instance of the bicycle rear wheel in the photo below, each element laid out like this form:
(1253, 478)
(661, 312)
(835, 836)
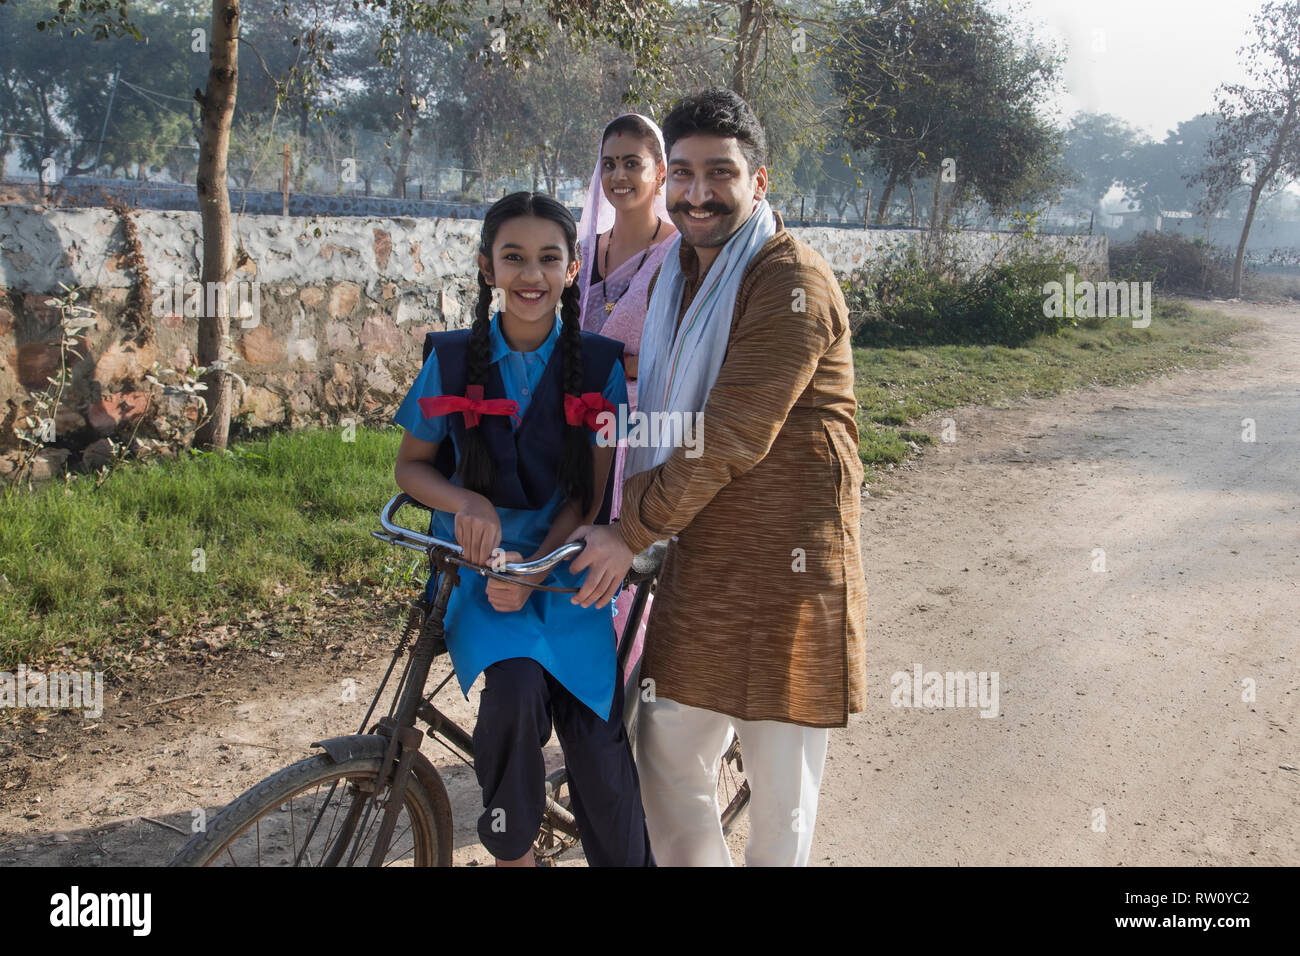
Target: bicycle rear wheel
(733, 788)
(733, 798)
(271, 824)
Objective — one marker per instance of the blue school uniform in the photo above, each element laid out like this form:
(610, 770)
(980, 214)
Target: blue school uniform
(574, 644)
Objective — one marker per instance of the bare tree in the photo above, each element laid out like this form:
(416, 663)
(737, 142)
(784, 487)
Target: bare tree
(1256, 141)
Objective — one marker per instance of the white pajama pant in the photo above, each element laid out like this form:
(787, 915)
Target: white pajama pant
(678, 752)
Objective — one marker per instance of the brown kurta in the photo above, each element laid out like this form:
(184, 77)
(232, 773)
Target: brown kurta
(760, 609)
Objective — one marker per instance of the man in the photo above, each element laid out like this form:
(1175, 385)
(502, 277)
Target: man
(758, 624)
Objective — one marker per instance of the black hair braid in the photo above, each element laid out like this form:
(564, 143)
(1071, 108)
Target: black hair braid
(478, 470)
(575, 465)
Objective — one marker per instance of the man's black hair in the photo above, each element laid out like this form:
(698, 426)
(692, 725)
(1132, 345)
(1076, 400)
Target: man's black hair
(718, 112)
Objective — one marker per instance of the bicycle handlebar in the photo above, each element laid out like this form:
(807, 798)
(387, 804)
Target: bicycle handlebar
(394, 533)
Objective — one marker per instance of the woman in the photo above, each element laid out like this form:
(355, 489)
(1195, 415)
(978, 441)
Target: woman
(625, 234)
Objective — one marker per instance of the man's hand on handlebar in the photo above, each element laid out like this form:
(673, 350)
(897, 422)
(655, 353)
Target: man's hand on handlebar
(608, 560)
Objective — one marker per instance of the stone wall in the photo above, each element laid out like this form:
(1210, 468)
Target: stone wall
(342, 306)
(847, 250)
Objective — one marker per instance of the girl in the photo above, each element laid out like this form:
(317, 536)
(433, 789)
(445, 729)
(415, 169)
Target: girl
(499, 434)
(626, 233)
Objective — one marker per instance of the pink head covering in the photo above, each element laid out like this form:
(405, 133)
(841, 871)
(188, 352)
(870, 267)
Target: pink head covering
(598, 214)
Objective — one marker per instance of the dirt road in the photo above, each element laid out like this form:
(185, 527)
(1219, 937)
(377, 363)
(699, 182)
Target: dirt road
(1120, 557)
(1120, 690)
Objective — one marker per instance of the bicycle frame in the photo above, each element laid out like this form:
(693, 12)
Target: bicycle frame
(386, 760)
(399, 725)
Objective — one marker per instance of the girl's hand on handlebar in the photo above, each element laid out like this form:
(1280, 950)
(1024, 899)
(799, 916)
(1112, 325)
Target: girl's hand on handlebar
(502, 595)
(478, 529)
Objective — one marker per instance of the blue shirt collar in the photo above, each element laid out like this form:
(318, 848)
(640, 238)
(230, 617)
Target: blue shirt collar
(500, 348)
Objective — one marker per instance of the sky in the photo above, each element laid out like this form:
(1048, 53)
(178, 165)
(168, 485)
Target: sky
(1153, 63)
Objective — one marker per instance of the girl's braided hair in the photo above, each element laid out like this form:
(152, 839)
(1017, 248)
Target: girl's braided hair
(478, 470)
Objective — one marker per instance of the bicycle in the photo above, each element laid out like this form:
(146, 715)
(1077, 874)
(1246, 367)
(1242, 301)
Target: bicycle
(381, 776)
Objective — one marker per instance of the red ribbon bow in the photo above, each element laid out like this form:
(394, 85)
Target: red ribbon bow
(472, 404)
(583, 409)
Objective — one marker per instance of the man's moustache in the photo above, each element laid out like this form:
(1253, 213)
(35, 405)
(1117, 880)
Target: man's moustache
(712, 207)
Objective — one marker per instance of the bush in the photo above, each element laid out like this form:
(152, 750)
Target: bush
(1174, 263)
(911, 303)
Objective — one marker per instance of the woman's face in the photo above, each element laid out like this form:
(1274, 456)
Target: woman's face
(629, 175)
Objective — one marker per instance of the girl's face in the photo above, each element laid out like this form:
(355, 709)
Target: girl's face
(531, 265)
(629, 174)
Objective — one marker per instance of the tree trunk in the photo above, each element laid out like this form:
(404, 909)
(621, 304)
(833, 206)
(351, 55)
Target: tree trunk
(884, 199)
(1264, 176)
(954, 195)
(1255, 190)
(437, 162)
(911, 195)
(403, 164)
(407, 120)
(334, 164)
(935, 200)
(749, 33)
(552, 173)
(217, 108)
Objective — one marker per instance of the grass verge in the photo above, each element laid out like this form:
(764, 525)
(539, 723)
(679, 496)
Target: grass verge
(895, 387)
(273, 539)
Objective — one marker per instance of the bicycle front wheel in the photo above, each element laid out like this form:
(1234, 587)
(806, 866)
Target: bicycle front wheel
(321, 813)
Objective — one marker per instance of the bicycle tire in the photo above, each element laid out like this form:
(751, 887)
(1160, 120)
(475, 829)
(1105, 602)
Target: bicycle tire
(425, 801)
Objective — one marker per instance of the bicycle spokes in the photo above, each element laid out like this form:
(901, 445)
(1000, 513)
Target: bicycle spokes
(331, 824)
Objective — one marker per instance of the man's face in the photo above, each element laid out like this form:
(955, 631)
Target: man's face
(711, 192)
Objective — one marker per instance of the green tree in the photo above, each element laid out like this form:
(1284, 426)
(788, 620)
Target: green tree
(63, 88)
(519, 34)
(1159, 174)
(1099, 149)
(957, 90)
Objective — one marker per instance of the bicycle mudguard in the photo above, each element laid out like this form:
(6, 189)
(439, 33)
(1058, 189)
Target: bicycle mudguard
(342, 749)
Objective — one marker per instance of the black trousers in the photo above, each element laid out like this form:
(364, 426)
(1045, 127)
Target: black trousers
(519, 703)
